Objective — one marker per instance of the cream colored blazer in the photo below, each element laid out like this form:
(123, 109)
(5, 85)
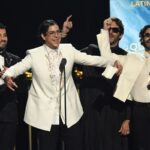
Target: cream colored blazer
(132, 66)
(43, 96)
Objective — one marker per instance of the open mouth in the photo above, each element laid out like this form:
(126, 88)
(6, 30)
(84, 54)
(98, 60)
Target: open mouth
(3, 43)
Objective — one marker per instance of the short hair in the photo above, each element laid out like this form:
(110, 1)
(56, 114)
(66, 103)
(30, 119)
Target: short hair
(43, 27)
(142, 32)
(119, 23)
(2, 26)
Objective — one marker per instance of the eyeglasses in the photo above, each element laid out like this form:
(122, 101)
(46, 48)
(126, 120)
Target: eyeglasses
(54, 33)
(115, 30)
(147, 35)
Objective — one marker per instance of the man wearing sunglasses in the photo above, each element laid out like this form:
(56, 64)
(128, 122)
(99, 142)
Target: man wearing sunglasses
(115, 114)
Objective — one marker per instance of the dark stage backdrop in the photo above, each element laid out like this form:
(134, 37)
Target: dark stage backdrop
(22, 18)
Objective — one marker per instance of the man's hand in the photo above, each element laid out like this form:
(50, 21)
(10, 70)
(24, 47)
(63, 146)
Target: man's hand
(2, 71)
(107, 24)
(118, 65)
(125, 128)
(67, 26)
(10, 83)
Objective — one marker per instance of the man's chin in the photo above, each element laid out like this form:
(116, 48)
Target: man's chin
(55, 46)
(147, 46)
(111, 40)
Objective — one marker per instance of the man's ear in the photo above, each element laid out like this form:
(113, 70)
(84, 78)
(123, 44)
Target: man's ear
(42, 36)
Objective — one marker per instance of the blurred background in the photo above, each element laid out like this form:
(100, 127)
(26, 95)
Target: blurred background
(23, 17)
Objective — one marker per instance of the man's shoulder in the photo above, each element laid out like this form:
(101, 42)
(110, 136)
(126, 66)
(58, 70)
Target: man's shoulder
(65, 45)
(12, 56)
(121, 51)
(34, 50)
(67, 48)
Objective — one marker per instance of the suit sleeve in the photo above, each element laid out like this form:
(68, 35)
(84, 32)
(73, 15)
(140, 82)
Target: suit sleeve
(103, 43)
(129, 107)
(89, 60)
(19, 68)
(104, 47)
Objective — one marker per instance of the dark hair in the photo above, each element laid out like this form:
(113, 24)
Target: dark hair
(2, 26)
(142, 32)
(119, 23)
(43, 27)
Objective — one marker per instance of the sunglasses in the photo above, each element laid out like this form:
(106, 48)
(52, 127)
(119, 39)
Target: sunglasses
(115, 30)
(147, 35)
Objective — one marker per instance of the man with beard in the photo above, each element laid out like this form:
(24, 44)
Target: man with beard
(135, 81)
(105, 118)
(115, 115)
(8, 99)
(141, 97)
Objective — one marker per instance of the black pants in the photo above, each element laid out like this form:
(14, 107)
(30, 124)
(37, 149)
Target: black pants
(141, 126)
(7, 135)
(68, 138)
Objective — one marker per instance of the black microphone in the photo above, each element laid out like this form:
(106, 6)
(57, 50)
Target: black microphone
(148, 86)
(62, 64)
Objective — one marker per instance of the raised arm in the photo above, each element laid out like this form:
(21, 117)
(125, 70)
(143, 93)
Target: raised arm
(103, 39)
(104, 44)
(67, 26)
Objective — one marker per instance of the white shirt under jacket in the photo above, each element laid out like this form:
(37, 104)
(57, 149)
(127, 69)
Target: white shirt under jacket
(133, 81)
(140, 92)
(43, 96)
(1, 67)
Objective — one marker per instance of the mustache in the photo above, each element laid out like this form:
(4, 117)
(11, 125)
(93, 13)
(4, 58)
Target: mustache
(3, 41)
(147, 41)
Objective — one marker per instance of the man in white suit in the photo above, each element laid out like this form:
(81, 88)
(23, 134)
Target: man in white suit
(135, 81)
(44, 106)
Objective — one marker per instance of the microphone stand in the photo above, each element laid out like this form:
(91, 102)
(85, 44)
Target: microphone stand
(65, 102)
(62, 69)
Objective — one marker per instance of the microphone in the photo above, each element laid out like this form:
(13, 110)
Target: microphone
(62, 64)
(148, 86)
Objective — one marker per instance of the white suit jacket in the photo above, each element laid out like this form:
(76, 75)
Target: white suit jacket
(132, 66)
(42, 96)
